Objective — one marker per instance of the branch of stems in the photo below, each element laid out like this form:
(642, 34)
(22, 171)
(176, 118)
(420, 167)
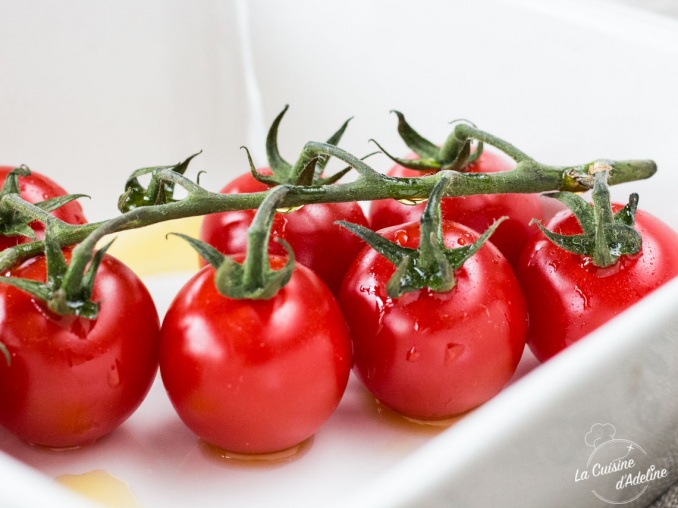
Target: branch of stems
(529, 176)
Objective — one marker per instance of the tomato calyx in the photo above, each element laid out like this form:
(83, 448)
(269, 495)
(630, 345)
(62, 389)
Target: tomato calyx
(160, 191)
(253, 279)
(432, 264)
(15, 218)
(606, 235)
(65, 291)
(306, 171)
(455, 153)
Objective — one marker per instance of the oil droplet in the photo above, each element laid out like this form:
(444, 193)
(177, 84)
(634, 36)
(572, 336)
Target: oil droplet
(114, 375)
(289, 209)
(255, 459)
(443, 423)
(432, 426)
(102, 487)
(411, 201)
(400, 421)
(412, 355)
(453, 351)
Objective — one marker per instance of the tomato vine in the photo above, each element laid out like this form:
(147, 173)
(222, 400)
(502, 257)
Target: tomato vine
(529, 176)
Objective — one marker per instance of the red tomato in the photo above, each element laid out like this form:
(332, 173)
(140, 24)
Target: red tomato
(568, 297)
(433, 355)
(72, 380)
(255, 376)
(318, 243)
(35, 188)
(477, 212)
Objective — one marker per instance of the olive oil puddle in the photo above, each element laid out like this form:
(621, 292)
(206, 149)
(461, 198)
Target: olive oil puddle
(407, 423)
(255, 460)
(102, 487)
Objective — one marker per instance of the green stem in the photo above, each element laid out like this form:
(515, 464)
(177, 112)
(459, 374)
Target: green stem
(431, 226)
(602, 211)
(529, 176)
(32, 211)
(465, 131)
(256, 265)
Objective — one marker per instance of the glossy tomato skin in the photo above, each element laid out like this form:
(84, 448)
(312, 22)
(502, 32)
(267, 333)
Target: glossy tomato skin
(568, 297)
(35, 188)
(72, 380)
(255, 376)
(477, 212)
(317, 241)
(434, 355)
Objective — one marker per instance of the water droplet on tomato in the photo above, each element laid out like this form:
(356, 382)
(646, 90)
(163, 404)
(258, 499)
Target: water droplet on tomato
(461, 241)
(412, 355)
(453, 351)
(370, 290)
(400, 237)
(581, 294)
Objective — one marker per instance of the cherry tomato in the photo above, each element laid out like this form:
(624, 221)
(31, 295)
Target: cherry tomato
(35, 188)
(477, 212)
(72, 380)
(255, 376)
(568, 297)
(433, 355)
(317, 241)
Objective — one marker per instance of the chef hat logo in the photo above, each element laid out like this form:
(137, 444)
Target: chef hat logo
(600, 433)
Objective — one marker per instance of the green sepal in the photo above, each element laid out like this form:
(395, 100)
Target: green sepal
(34, 288)
(11, 185)
(157, 193)
(576, 244)
(421, 164)
(410, 275)
(81, 304)
(455, 153)
(431, 265)
(56, 262)
(414, 141)
(18, 229)
(90, 274)
(581, 209)
(305, 172)
(627, 215)
(52, 292)
(49, 205)
(15, 223)
(231, 278)
(391, 251)
(606, 236)
(204, 250)
(280, 168)
(334, 139)
(253, 279)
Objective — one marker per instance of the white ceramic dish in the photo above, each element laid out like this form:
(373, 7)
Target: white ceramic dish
(567, 82)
